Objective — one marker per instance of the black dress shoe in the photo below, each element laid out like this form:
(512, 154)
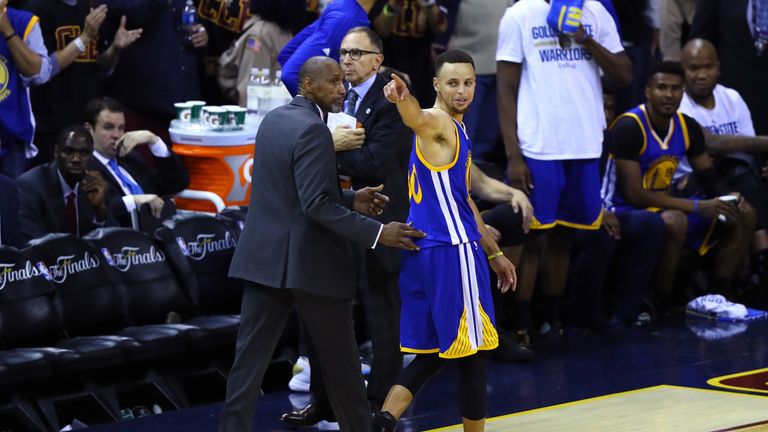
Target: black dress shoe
(384, 422)
(309, 415)
(512, 349)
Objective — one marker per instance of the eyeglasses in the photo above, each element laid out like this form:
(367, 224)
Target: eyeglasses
(354, 53)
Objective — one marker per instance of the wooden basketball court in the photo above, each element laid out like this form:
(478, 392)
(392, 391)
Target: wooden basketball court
(659, 408)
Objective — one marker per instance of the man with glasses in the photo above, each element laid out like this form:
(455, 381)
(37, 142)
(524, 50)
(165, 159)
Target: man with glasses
(372, 155)
(323, 37)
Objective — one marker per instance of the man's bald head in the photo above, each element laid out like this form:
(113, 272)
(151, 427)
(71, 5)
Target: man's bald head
(321, 81)
(696, 48)
(702, 69)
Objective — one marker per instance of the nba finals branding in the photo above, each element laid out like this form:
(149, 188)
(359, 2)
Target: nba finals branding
(206, 243)
(4, 79)
(67, 265)
(132, 256)
(9, 273)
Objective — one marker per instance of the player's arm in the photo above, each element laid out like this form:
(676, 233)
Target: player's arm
(424, 123)
(508, 78)
(490, 189)
(504, 269)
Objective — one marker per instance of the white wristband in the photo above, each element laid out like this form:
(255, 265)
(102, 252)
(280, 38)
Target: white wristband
(79, 44)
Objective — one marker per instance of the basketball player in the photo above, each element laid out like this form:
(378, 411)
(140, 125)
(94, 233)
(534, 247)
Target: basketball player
(447, 311)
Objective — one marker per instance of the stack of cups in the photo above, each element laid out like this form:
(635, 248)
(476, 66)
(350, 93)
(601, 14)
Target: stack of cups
(196, 114)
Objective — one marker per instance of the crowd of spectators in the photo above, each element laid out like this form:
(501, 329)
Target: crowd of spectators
(663, 103)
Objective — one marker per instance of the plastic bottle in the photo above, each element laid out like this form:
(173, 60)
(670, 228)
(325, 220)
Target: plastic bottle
(252, 101)
(281, 94)
(189, 19)
(265, 93)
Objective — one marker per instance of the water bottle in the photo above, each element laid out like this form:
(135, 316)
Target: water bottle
(281, 94)
(252, 101)
(189, 19)
(264, 93)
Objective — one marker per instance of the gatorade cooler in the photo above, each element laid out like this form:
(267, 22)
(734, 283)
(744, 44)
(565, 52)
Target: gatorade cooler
(218, 162)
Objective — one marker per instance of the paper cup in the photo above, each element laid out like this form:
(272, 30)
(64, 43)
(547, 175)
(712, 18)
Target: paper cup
(215, 117)
(197, 109)
(236, 116)
(183, 111)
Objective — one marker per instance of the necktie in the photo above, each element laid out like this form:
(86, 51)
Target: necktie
(129, 184)
(71, 212)
(351, 102)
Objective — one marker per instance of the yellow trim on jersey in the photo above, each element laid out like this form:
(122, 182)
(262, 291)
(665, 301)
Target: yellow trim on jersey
(639, 123)
(444, 167)
(419, 351)
(664, 144)
(535, 224)
(461, 346)
(684, 127)
(30, 26)
(490, 336)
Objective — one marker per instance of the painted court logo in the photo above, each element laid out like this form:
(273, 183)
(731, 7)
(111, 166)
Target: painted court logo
(132, 256)
(4, 78)
(9, 273)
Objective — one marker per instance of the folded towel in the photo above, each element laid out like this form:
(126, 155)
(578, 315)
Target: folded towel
(565, 15)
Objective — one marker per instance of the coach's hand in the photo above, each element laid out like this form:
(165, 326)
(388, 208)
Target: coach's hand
(505, 273)
(397, 234)
(369, 201)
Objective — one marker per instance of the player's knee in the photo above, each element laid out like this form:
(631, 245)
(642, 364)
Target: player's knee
(747, 219)
(675, 223)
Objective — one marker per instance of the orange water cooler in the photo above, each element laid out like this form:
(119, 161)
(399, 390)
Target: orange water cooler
(217, 162)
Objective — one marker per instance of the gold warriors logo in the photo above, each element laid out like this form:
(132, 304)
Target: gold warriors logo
(659, 175)
(4, 78)
(414, 187)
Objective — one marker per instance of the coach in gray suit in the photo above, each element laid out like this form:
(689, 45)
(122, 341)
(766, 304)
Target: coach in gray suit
(297, 249)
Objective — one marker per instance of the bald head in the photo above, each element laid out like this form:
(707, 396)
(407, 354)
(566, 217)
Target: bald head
(321, 81)
(702, 69)
(697, 48)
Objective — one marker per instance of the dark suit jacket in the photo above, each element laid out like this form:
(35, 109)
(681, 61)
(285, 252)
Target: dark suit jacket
(383, 158)
(298, 232)
(9, 210)
(41, 204)
(167, 177)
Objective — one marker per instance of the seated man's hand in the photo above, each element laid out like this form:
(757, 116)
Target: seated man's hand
(346, 138)
(611, 224)
(520, 203)
(399, 235)
(95, 188)
(714, 207)
(369, 201)
(130, 140)
(495, 234)
(154, 202)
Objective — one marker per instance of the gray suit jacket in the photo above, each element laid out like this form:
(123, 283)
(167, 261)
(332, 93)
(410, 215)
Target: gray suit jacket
(299, 230)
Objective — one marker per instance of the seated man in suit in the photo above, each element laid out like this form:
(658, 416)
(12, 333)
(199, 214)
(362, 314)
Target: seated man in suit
(132, 180)
(62, 196)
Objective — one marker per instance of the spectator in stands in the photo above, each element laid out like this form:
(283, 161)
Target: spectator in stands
(9, 209)
(380, 158)
(323, 37)
(132, 180)
(739, 31)
(63, 195)
(159, 69)
(640, 177)
(639, 23)
(675, 19)
(70, 28)
(23, 61)
(730, 136)
(479, 41)
(407, 28)
(553, 152)
(264, 36)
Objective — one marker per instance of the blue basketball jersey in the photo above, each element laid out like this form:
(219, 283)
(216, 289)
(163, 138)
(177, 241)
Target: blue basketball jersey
(439, 196)
(659, 157)
(16, 120)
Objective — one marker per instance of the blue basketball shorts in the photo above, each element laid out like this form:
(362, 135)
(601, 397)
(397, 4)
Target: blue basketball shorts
(446, 301)
(565, 192)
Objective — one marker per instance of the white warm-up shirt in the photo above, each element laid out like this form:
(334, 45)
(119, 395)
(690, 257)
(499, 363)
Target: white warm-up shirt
(560, 101)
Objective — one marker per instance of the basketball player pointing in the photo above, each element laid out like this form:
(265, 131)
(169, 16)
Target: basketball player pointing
(447, 311)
